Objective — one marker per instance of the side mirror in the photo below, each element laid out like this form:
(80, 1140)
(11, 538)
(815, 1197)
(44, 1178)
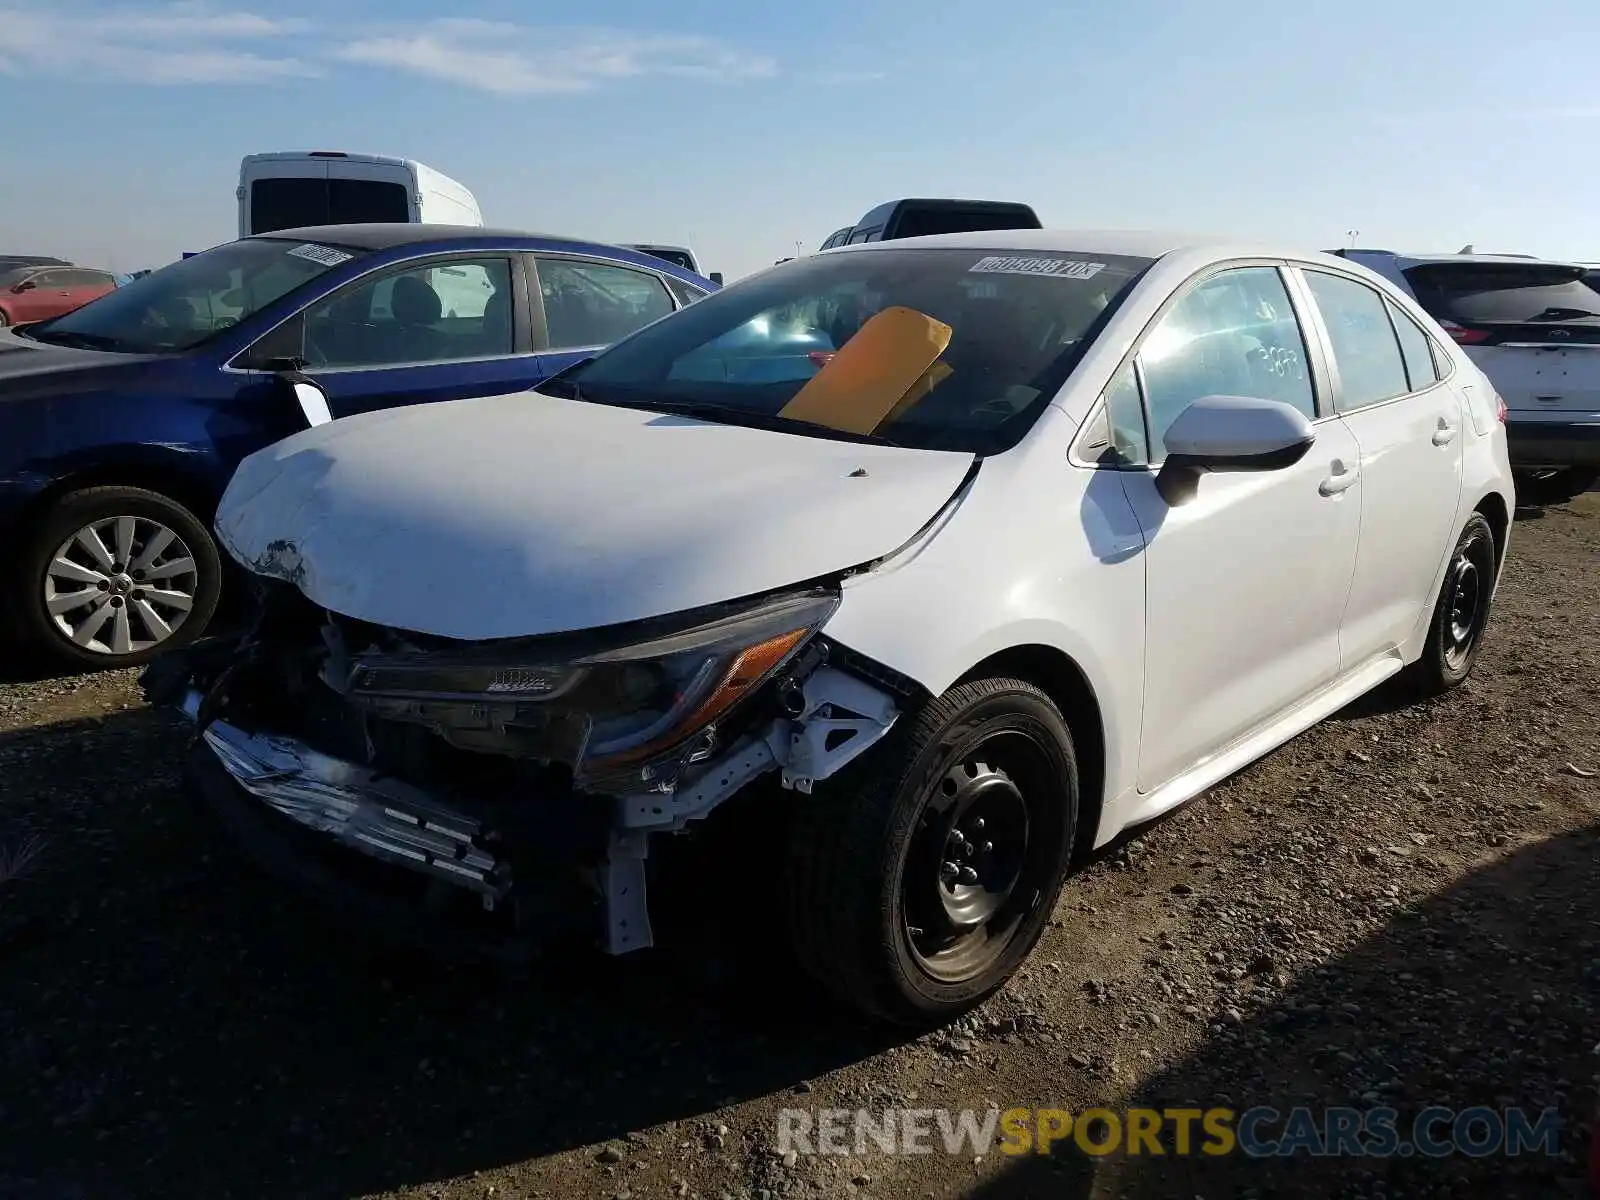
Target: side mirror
(1238, 433)
(308, 397)
(715, 277)
(27, 285)
(1230, 433)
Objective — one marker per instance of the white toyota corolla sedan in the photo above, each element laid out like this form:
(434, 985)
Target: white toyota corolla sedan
(960, 554)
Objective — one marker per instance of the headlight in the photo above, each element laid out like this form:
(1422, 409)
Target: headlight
(603, 710)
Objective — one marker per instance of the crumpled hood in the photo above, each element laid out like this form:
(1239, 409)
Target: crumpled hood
(527, 514)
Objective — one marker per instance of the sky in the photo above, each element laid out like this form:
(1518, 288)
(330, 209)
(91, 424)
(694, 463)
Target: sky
(751, 131)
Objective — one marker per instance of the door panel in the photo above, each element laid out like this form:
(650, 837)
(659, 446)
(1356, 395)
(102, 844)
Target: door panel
(44, 299)
(1247, 577)
(1409, 428)
(1245, 586)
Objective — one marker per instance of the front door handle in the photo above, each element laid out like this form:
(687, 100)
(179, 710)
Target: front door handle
(1445, 434)
(1340, 478)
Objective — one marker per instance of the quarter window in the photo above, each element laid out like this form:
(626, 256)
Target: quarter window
(439, 312)
(1365, 348)
(1233, 335)
(1416, 348)
(594, 304)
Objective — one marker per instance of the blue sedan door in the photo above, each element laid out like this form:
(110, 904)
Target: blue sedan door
(437, 328)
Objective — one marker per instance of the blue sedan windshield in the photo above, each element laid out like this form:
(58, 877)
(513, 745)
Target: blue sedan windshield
(189, 302)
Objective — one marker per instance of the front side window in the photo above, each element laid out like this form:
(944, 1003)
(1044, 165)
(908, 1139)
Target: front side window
(981, 340)
(434, 312)
(594, 304)
(190, 301)
(1365, 349)
(1116, 436)
(1235, 334)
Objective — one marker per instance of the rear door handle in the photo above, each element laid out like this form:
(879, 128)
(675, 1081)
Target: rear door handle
(1445, 434)
(1341, 478)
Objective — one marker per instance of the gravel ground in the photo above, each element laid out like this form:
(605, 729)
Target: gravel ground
(1401, 907)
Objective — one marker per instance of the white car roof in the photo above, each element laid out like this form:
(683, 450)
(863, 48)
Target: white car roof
(1153, 244)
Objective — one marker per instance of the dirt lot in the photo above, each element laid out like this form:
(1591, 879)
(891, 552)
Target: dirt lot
(1401, 907)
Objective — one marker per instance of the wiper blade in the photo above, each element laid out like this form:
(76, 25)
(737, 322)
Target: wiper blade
(1561, 313)
(728, 414)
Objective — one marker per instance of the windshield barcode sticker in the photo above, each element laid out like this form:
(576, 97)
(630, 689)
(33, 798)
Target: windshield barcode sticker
(1060, 268)
(327, 256)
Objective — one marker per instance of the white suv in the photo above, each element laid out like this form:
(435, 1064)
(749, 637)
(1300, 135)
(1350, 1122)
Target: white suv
(1533, 327)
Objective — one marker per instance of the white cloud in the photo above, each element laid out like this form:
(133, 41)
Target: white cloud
(170, 44)
(198, 43)
(508, 59)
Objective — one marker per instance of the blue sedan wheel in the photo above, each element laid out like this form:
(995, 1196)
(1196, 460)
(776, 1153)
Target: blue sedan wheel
(114, 575)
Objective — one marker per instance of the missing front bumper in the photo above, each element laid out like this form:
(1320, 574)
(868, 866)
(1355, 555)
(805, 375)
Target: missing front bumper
(366, 811)
(346, 804)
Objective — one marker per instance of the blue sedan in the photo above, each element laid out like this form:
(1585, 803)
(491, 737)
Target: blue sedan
(121, 422)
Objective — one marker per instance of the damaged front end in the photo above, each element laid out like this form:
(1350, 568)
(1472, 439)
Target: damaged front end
(492, 773)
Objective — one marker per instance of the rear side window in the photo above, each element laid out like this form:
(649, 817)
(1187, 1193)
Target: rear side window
(1503, 293)
(1365, 348)
(676, 257)
(686, 293)
(1416, 348)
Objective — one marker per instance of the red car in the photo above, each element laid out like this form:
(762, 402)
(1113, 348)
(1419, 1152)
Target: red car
(35, 293)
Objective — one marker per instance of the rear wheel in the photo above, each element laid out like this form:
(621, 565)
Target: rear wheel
(920, 879)
(113, 575)
(1461, 611)
(1556, 485)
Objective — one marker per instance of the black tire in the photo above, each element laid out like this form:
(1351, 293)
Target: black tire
(82, 509)
(1461, 611)
(1556, 487)
(859, 872)
(4, 319)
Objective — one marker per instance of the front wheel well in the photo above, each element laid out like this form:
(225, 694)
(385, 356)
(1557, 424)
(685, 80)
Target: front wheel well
(188, 491)
(1060, 678)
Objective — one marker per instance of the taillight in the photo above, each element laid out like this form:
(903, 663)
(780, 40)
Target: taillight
(821, 358)
(1463, 336)
(1500, 408)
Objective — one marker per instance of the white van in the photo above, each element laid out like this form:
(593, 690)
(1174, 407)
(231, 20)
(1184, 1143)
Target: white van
(288, 189)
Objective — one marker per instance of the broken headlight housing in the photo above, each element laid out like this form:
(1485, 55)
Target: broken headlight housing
(633, 712)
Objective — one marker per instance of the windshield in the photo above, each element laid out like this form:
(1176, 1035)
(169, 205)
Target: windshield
(959, 349)
(1504, 293)
(188, 302)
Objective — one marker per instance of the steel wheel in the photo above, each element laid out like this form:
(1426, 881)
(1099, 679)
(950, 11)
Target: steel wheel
(121, 585)
(1468, 585)
(977, 861)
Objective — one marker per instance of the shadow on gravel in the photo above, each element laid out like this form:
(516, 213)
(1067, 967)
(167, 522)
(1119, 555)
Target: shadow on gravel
(1488, 994)
(18, 665)
(172, 1027)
